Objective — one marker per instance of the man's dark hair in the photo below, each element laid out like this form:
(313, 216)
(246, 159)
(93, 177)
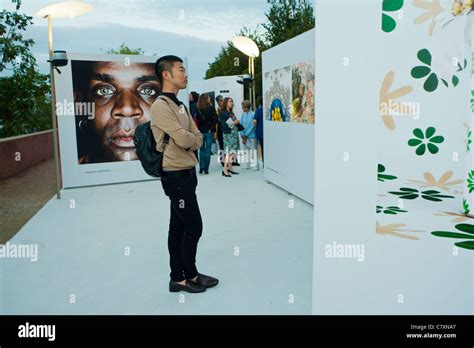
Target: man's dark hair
(165, 63)
(218, 97)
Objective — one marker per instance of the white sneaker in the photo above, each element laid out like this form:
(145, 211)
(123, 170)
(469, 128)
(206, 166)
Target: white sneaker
(255, 169)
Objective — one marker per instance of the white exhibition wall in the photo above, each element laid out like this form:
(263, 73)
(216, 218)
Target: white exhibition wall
(374, 251)
(120, 101)
(226, 86)
(289, 141)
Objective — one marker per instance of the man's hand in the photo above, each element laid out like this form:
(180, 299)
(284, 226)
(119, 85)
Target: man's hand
(244, 140)
(255, 123)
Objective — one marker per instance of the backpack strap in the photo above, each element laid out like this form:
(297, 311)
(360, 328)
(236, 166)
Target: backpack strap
(167, 137)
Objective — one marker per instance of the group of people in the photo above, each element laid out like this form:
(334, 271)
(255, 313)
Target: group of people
(238, 138)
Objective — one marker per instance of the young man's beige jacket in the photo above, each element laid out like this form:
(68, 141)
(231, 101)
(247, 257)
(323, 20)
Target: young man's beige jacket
(185, 138)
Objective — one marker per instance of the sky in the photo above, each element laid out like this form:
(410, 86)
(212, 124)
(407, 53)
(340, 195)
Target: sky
(196, 29)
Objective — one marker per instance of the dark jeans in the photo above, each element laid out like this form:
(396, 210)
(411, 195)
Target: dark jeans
(205, 152)
(220, 140)
(185, 227)
(260, 141)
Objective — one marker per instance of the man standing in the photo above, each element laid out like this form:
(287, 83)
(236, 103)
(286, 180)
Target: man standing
(179, 180)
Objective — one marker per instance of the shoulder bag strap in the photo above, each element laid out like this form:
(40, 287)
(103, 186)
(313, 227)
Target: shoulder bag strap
(167, 137)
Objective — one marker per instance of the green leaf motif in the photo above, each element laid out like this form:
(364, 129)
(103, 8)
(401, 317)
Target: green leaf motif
(392, 5)
(414, 142)
(420, 71)
(420, 150)
(392, 210)
(430, 195)
(430, 131)
(455, 80)
(430, 145)
(470, 181)
(433, 148)
(465, 206)
(437, 139)
(465, 245)
(424, 56)
(417, 132)
(431, 83)
(388, 23)
(445, 234)
(468, 228)
(383, 177)
(430, 198)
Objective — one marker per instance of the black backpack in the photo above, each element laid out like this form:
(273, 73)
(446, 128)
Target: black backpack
(145, 148)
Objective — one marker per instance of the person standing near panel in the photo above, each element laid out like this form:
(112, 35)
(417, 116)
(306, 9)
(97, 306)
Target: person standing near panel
(258, 123)
(179, 180)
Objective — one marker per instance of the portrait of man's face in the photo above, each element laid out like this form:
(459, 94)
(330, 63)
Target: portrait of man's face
(122, 95)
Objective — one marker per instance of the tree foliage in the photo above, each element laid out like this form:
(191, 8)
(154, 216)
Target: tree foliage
(124, 49)
(231, 61)
(286, 19)
(25, 98)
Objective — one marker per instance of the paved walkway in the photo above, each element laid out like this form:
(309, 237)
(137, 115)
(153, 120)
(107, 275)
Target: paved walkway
(103, 250)
(23, 195)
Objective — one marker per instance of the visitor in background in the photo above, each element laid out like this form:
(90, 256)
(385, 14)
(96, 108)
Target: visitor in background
(258, 123)
(219, 137)
(249, 140)
(207, 123)
(193, 98)
(230, 135)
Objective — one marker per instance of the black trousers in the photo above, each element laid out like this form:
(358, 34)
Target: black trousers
(260, 141)
(220, 140)
(185, 226)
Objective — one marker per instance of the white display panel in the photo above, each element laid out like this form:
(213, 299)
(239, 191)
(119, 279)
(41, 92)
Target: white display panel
(382, 261)
(111, 95)
(287, 70)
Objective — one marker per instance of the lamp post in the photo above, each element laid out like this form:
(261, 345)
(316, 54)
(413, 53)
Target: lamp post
(250, 48)
(70, 9)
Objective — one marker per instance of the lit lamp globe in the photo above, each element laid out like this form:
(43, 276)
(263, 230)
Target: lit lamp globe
(68, 9)
(246, 45)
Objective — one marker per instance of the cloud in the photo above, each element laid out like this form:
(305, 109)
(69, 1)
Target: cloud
(204, 19)
(99, 39)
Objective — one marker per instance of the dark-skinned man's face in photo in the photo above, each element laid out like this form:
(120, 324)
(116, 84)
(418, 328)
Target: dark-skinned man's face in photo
(122, 95)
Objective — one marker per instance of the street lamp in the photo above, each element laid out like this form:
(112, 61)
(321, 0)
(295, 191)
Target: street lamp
(69, 9)
(250, 48)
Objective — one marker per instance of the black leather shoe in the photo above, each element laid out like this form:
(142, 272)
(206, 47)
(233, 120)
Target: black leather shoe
(189, 286)
(206, 281)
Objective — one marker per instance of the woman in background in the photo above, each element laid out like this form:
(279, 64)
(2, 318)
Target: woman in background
(230, 134)
(207, 123)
